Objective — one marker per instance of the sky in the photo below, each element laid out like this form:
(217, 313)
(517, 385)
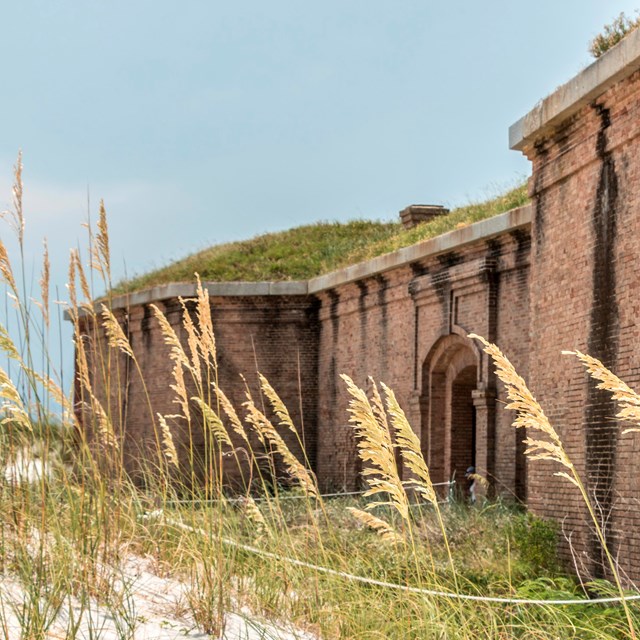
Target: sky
(200, 122)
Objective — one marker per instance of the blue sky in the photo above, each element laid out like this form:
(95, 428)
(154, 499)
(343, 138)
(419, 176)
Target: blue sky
(204, 121)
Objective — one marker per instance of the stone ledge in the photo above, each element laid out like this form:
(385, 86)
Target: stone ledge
(616, 64)
(215, 289)
(483, 230)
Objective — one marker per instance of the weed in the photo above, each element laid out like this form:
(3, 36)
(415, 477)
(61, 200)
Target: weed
(613, 33)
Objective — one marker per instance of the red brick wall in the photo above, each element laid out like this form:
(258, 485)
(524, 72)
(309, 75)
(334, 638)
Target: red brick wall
(275, 335)
(584, 295)
(406, 327)
(390, 329)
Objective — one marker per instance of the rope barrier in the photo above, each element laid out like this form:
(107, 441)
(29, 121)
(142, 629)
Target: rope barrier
(391, 585)
(340, 494)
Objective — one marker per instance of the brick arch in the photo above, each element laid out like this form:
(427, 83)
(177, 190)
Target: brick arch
(450, 376)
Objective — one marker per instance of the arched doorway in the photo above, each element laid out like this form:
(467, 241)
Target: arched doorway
(450, 376)
(463, 422)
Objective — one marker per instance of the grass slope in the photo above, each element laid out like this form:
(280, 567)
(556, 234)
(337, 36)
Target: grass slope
(312, 250)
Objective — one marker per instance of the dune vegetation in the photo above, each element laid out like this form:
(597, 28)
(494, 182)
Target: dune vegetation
(86, 551)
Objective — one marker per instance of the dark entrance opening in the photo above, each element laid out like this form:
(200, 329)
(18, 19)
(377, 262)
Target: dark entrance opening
(463, 424)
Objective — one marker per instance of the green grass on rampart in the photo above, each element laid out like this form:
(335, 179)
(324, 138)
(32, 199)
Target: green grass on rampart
(312, 250)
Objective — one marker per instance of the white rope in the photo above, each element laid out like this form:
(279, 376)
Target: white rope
(340, 494)
(390, 585)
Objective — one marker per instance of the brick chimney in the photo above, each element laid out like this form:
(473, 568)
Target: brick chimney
(416, 213)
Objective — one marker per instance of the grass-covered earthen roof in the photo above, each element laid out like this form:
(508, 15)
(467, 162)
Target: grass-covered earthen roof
(312, 250)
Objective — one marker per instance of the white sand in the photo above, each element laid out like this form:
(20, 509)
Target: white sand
(156, 611)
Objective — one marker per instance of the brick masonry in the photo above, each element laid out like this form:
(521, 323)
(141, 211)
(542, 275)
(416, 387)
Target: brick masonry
(584, 293)
(405, 325)
(563, 274)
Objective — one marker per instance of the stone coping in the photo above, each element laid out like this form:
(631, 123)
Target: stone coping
(614, 65)
(483, 230)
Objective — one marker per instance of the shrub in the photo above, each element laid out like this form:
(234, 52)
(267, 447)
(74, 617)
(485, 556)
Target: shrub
(536, 540)
(612, 34)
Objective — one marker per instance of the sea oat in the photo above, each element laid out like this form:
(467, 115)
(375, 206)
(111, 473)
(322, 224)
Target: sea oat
(167, 441)
(101, 251)
(15, 216)
(171, 339)
(44, 284)
(56, 393)
(375, 447)
(230, 412)
(8, 346)
(529, 414)
(12, 405)
(213, 422)
(207, 338)
(409, 444)
(5, 269)
(384, 529)
(278, 406)
(267, 432)
(82, 366)
(71, 286)
(82, 276)
(622, 393)
(193, 339)
(115, 335)
(253, 513)
(105, 427)
(182, 397)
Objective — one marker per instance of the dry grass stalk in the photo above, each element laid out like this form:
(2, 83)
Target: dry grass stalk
(44, 284)
(15, 216)
(212, 420)
(230, 412)
(409, 444)
(207, 339)
(115, 335)
(167, 441)
(622, 393)
(278, 406)
(384, 529)
(176, 353)
(5, 269)
(193, 340)
(375, 447)
(101, 253)
(12, 406)
(529, 415)
(267, 432)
